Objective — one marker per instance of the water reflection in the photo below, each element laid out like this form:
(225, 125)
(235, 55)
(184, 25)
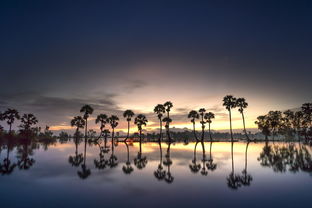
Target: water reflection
(280, 157)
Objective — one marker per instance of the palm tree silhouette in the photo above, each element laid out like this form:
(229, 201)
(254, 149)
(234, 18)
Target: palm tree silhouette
(140, 162)
(242, 104)
(7, 167)
(27, 121)
(168, 162)
(194, 166)
(78, 122)
(193, 115)
(128, 114)
(102, 119)
(87, 110)
(127, 168)
(204, 171)
(202, 113)
(100, 163)
(233, 180)
(24, 161)
(106, 148)
(208, 116)
(160, 173)
(168, 105)
(159, 110)
(229, 102)
(10, 115)
(77, 159)
(113, 121)
(246, 178)
(210, 164)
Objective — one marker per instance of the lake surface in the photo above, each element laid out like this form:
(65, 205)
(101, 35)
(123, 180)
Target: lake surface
(266, 175)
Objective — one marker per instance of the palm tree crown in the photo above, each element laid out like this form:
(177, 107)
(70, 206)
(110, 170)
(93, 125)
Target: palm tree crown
(10, 115)
(113, 121)
(159, 110)
(102, 119)
(128, 114)
(208, 116)
(229, 102)
(241, 104)
(193, 115)
(168, 105)
(77, 122)
(140, 120)
(28, 120)
(87, 110)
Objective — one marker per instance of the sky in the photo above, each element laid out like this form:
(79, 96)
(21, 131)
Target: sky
(56, 56)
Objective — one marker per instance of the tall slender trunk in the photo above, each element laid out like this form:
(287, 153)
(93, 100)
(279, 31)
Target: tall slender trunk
(10, 128)
(140, 141)
(168, 127)
(203, 129)
(113, 134)
(194, 132)
(128, 132)
(245, 126)
(85, 152)
(160, 130)
(128, 154)
(232, 146)
(86, 128)
(210, 133)
(246, 156)
(210, 157)
(231, 125)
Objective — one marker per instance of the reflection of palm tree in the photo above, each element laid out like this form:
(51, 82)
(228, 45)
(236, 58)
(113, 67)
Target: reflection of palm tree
(7, 167)
(204, 160)
(101, 162)
(27, 121)
(85, 172)
(229, 102)
(127, 168)
(193, 115)
(10, 115)
(87, 110)
(168, 105)
(168, 162)
(210, 164)
(160, 173)
(24, 161)
(208, 116)
(159, 110)
(77, 159)
(113, 121)
(128, 114)
(233, 180)
(246, 178)
(194, 166)
(106, 148)
(242, 104)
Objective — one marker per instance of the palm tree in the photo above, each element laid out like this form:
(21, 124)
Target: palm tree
(27, 121)
(242, 104)
(7, 167)
(102, 119)
(78, 122)
(87, 110)
(140, 121)
(168, 162)
(193, 115)
(168, 105)
(128, 114)
(202, 113)
(229, 102)
(246, 178)
(204, 171)
(113, 121)
(208, 116)
(106, 132)
(10, 115)
(233, 180)
(210, 164)
(85, 171)
(159, 110)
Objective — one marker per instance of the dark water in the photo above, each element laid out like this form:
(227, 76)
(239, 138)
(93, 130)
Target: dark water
(266, 175)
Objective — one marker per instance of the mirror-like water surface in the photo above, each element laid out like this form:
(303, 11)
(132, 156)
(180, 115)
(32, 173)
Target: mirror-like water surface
(214, 174)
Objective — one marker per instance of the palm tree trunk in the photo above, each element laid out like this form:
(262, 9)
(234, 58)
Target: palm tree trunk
(210, 133)
(128, 132)
(10, 128)
(246, 156)
(86, 128)
(232, 146)
(231, 125)
(160, 131)
(140, 141)
(113, 134)
(245, 126)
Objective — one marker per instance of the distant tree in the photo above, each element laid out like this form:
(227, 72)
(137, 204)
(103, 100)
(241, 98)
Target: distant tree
(275, 120)
(264, 125)
(229, 102)
(168, 105)
(102, 119)
(87, 110)
(10, 115)
(242, 104)
(202, 113)
(128, 114)
(193, 115)
(209, 116)
(160, 110)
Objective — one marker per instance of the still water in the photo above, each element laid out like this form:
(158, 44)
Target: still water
(219, 174)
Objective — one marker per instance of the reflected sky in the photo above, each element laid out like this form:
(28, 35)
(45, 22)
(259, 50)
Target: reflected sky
(52, 181)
